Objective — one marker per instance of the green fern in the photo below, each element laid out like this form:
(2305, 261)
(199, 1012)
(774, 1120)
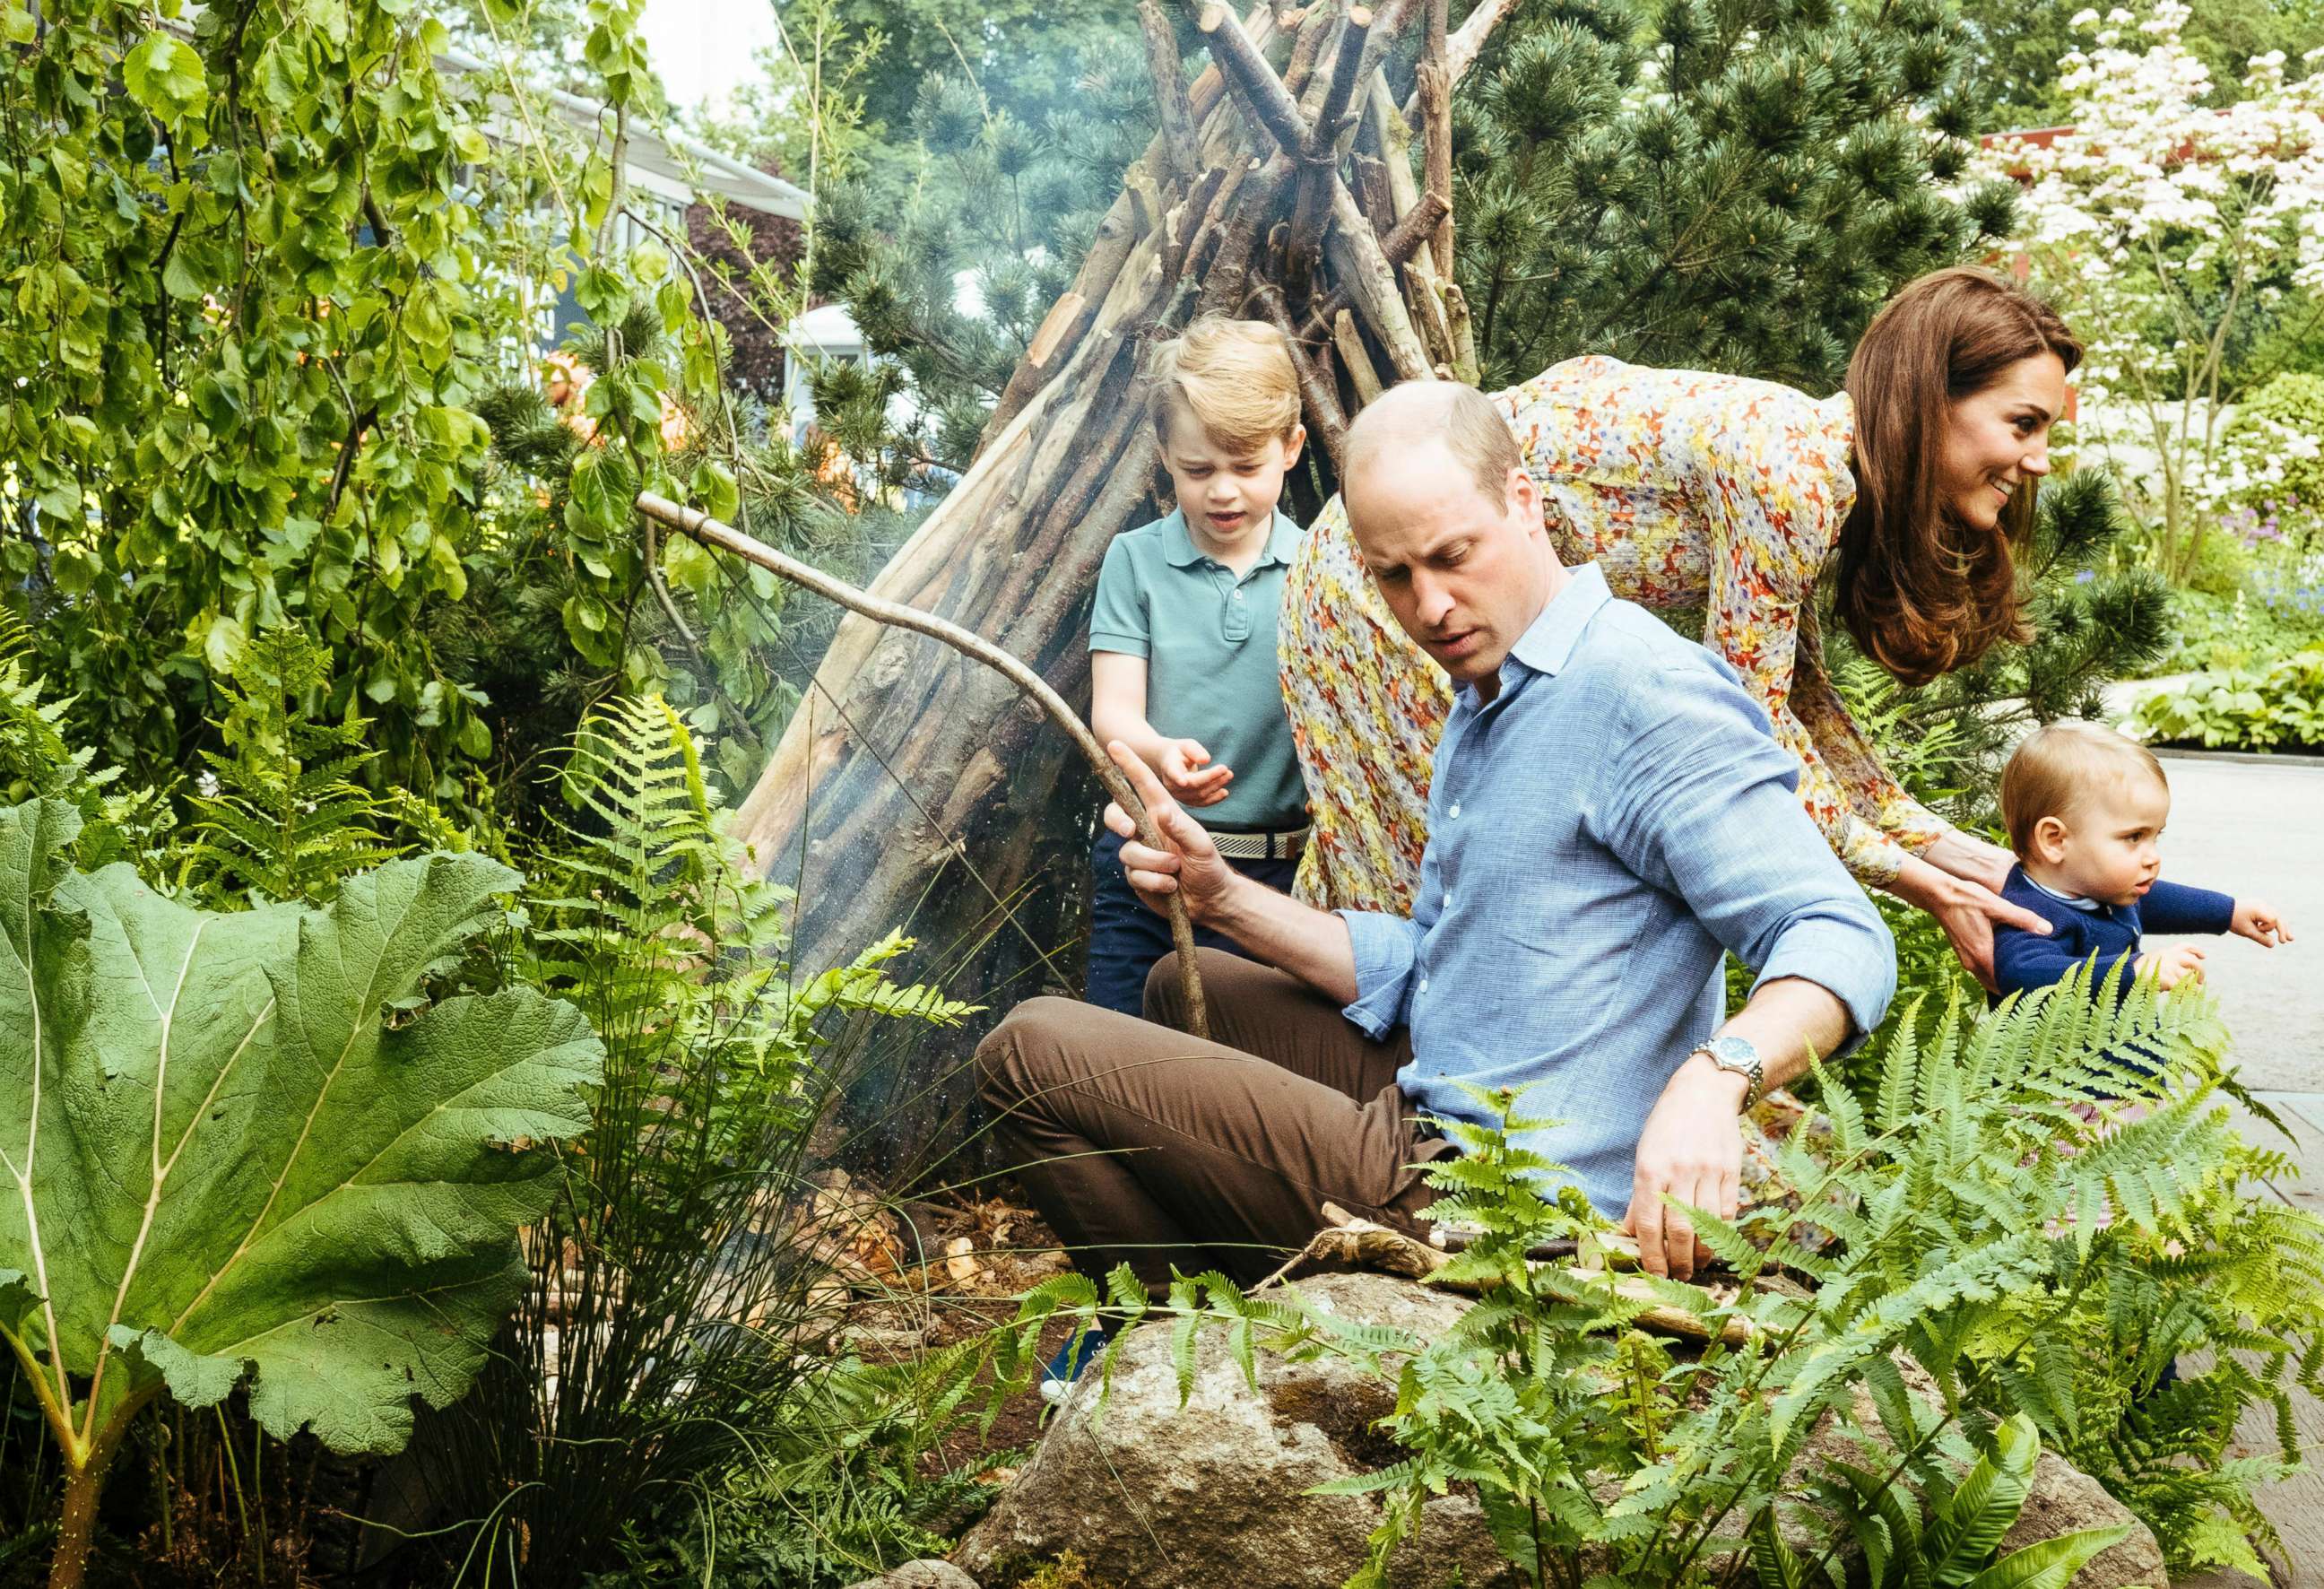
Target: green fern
(691, 1254)
(2040, 1209)
(283, 812)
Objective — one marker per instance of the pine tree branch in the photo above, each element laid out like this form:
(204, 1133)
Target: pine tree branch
(724, 537)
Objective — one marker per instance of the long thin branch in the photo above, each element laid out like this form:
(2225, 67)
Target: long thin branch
(712, 532)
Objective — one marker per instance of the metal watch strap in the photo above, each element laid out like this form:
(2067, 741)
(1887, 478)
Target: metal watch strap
(1739, 1057)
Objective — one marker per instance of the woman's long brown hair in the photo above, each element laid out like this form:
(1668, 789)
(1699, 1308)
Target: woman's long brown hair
(1921, 592)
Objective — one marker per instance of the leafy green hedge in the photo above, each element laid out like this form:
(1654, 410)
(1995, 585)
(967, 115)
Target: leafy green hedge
(2279, 707)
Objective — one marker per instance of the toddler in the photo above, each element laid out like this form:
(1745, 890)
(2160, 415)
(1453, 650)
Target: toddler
(1183, 666)
(2085, 809)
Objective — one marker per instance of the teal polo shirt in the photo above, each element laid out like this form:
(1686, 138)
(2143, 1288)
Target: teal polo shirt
(1208, 638)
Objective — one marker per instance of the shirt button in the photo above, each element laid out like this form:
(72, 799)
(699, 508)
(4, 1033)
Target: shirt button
(1455, 811)
(1448, 901)
(1424, 984)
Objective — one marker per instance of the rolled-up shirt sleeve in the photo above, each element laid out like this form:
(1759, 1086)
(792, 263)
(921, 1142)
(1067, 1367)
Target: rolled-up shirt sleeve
(1703, 802)
(1386, 949)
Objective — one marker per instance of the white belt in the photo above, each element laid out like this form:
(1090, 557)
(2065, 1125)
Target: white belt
(1262, 846)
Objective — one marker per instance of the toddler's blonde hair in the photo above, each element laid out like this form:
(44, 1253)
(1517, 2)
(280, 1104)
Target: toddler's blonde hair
(2051, 771)
(1234, 377)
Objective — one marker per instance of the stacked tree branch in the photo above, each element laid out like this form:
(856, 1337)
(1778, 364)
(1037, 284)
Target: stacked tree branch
(912, 786)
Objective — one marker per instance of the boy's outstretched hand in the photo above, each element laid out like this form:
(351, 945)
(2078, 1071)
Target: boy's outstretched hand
(1186, 774)
(2178, 962)
(2258, 922)
(1190, 865)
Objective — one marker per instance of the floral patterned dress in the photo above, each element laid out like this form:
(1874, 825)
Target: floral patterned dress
(1690, 491)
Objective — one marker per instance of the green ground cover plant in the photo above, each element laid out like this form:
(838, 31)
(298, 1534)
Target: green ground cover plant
(2279, 707)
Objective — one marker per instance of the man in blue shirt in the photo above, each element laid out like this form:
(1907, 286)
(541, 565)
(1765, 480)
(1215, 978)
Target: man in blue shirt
(1608, 813)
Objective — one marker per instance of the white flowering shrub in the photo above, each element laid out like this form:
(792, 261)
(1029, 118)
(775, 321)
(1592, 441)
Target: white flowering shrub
(2161, 226)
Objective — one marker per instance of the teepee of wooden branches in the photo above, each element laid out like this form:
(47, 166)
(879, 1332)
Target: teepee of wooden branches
(912, 785)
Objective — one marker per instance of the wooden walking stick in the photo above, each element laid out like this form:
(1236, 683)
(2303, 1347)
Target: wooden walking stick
(724, 537)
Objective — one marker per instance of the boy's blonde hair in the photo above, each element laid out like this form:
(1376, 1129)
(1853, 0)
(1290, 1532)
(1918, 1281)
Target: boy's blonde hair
(2051, 771)
(1236, 379)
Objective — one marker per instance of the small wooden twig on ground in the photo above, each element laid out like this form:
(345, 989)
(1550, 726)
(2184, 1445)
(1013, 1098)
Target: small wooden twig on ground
(724, 537)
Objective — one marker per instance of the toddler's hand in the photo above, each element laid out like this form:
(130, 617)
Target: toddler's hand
(1188, 780)
(2178, 962)
(2258, 922)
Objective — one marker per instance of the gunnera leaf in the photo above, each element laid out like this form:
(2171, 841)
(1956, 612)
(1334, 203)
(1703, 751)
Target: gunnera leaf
(237, 1147)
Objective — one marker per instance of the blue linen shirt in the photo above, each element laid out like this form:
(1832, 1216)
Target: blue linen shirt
(1598, 831)
(2079, 928)
(1208, 637)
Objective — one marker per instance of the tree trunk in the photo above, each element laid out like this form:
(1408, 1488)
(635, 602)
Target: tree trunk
(916, 789)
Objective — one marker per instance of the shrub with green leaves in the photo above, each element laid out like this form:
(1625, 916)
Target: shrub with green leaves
(2058, 1177)
(2280, 706)
(258, 1149)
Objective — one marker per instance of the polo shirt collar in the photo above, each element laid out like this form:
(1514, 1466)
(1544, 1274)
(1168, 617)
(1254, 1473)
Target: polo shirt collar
(1178, 548)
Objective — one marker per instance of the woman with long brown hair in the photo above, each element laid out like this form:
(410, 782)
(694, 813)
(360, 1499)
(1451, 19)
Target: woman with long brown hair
(1692, 491)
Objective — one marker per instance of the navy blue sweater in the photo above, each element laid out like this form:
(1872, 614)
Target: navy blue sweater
(2023, 961)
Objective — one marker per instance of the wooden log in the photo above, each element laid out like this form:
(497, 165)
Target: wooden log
(1410, 234)
(1354, 358)
(1327, 422)
(1373, 290)
(1436, 91)
(1462, 49)
(1177, 111)
(1464, 334)
(1374, 196)
(1252, 81)
(1324, 128)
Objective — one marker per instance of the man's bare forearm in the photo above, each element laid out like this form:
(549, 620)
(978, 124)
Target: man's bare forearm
(1312, 945)
(1787, 1021)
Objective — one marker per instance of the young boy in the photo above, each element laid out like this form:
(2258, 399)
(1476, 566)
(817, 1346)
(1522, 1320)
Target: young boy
(2085, 808)
(1182, 641)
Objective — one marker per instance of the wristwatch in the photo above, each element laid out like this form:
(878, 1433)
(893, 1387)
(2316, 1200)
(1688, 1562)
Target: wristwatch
(1738, 1055)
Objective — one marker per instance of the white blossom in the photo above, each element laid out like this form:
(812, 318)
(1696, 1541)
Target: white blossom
(2157, 208)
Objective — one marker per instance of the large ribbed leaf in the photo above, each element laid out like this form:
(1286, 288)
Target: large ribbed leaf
(239, 1148)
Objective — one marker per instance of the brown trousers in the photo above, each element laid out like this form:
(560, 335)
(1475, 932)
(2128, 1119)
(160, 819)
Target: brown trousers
(1142, 1145)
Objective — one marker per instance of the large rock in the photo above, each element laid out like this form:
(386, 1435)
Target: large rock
(1151, 1495)
(920, 1575)
(1214, 1494)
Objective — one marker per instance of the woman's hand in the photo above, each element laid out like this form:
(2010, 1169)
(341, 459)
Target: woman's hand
(1971, 859)
(1968, 911)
